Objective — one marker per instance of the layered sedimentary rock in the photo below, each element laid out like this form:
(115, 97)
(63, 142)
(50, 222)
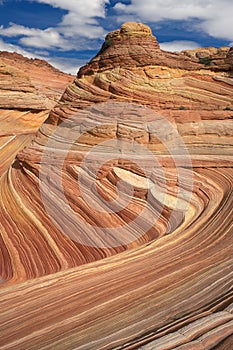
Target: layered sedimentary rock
(117, 218)
(19, 74)
(229, 59)
(28, 90)
(210, 57)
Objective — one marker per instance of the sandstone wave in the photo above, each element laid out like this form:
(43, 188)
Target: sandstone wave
(116, 220)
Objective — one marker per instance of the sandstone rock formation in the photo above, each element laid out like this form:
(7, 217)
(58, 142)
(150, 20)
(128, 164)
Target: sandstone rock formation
(116, 221)
(22, 74)
(229, 59)
(28, 90)
(210, 57)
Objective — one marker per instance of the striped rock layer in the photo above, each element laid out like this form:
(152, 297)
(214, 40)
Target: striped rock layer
(116, 220)
(29, 88)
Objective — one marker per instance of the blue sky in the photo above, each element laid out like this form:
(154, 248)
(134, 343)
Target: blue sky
(68, 33)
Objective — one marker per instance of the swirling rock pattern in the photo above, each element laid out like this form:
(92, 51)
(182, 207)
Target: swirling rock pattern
(166, 287)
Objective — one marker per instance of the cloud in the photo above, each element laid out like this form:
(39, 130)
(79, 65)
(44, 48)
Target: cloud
(15, 48)
(80, 22)
(17, 30)
(87, 8)
(220, 26)
(64, 64)
(179, 45)
(81, 19)
(215, 16)
(48, 38)
(67, 65)
(155, 11)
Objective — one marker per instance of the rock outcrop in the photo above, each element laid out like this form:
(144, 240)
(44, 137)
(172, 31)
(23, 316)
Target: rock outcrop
(229, 59)
(29, 88)
(210, 57)
(21, 74)
(116, 221)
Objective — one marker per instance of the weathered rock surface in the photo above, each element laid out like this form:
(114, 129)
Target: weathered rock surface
(229, 59)
(153, 270)
(28, 90)
(210, 57)
(38, 84)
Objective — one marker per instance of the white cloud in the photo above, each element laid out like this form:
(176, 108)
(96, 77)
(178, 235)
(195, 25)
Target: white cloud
(220, 26)
(81, 21)
(179, 45)
(70, 66)
(215, 15)
(87, 8)
(157, 10)
(72, 27)
(17, 30)
(78, 29)
(67, 65)
(15, 48)
(48, 38)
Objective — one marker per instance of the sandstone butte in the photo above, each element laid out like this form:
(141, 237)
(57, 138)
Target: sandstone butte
(80, 271)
